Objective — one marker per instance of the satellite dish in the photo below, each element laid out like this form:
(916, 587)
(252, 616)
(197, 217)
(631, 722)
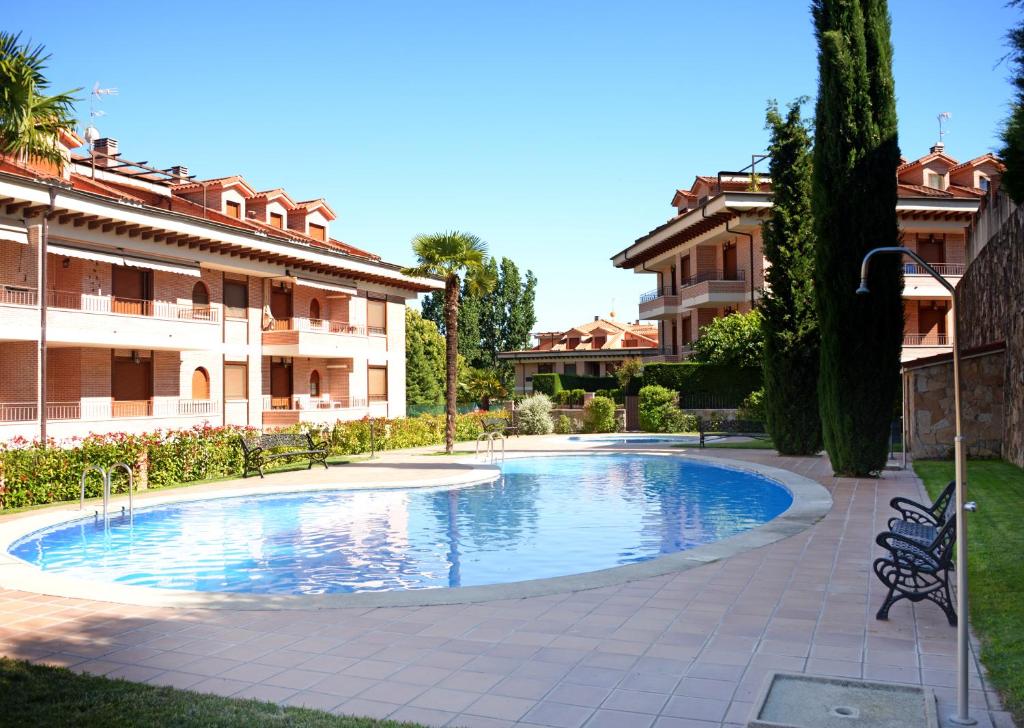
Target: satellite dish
(91, 134)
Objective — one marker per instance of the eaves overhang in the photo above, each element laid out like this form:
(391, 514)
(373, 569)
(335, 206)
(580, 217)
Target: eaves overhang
(32, 197)
(717, 211)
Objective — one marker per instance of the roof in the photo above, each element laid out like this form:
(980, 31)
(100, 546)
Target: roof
(235, 181)
(587, 337)
(318, 204)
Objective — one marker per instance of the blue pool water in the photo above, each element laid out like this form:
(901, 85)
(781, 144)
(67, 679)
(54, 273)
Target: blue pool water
(635, 439)
(546, 516)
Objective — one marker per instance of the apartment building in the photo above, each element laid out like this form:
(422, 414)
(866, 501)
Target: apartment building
(172, 301)
(708, 259)
(593, 349)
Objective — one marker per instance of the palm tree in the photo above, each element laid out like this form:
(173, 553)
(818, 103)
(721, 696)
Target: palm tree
(449, 256)
(30, 121)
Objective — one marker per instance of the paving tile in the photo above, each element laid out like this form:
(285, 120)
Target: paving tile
(478, 682)
(314, 700)
(618, 719)
(560, 715)
(445, 699)
(366, 708)
(267, 693)
(524, 687)
(500, 706)
(696, 687)
(584, 695)
(684, 706)
(636, 701)
(595, 676)
(346, 686)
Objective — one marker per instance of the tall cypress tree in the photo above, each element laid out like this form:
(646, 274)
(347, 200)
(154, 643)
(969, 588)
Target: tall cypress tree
(789, 318)
(856, 153)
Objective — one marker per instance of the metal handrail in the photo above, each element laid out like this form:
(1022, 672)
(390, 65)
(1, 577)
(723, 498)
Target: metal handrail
(105, 473)
(89, 469)
(131, 483)
(490, 437)
(708, 275)
(944, 269)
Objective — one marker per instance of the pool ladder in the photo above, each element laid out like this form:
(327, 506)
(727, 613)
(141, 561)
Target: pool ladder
(490, 438)
(105, 474)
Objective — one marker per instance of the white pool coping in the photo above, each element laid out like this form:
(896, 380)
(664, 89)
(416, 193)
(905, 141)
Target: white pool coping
(811, 501)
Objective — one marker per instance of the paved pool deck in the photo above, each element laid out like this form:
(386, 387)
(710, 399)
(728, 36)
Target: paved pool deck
(684, 649)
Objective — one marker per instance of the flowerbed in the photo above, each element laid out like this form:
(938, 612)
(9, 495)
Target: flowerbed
(33, 475)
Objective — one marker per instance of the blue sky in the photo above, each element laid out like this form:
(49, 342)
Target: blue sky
(556, 131)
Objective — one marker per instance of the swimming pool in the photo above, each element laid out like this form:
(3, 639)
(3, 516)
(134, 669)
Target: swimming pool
(635, 439)
(544, 517)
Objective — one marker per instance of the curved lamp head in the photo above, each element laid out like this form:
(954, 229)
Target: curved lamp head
(863, 290)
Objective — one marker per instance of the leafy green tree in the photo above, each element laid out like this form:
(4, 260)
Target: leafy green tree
(1012, 150)
(450, 256)
(30, 120)
(734, 340)
(856, 153)
(424, 360)
(789, 316)
(481, 385)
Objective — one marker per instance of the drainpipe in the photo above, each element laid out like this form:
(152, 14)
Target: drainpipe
(41, 293)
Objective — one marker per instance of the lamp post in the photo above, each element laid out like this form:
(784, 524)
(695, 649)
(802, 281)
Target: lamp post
(962, 716)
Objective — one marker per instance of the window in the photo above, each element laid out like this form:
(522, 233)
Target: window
(377, 384)
(236, 299)
(984, 182)
(233, 209)
(314, 310)
(569, 368)
(318, 232)
(936, 181)
(277, 220)
(545, 368)
(314, 383)
(200, 294)
(236, 381)
(376, 317)
(200, 384)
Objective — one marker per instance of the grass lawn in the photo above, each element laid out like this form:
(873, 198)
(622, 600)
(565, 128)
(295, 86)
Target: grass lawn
(731, 445)
(996, 567)
(34, 695)
(453, 452)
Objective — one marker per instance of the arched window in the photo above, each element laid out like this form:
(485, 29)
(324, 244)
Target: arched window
(314, 310)
(200, 294)
(200, 384)
(314, 383)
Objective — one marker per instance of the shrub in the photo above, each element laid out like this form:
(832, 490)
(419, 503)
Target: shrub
(549, 384)
(656, 402)
(587, 384)
(535, 415)
(599, 415)
(576, 397)
(752, 408)
(564, 425)
(562, 398)
(735, 340)
(629, 374)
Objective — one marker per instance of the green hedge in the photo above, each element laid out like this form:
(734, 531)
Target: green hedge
(552, 384)
(692, 378)
(32, 475)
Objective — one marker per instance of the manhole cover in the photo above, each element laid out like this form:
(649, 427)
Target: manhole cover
(807, 701)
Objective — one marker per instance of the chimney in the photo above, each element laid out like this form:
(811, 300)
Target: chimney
(105, 151)
(179, 172)
(597, 318)
(938, 148)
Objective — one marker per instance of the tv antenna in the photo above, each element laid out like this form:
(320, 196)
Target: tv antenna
(91, 132)
(943, 117)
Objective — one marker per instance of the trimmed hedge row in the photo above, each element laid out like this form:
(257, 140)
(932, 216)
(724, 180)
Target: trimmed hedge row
(690, 378)
(552, 384)
(33, 475)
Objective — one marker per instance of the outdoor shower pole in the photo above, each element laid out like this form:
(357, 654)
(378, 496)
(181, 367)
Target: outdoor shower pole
(962, 716)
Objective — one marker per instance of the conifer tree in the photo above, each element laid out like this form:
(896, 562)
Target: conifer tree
(856, 153)
(789, 317)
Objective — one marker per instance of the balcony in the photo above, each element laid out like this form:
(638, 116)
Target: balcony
(325, 410)
(711, 288)
(918, 283)
(918, 346)
(103, 414)
(95, 320)
(668, 354)
(300, 336)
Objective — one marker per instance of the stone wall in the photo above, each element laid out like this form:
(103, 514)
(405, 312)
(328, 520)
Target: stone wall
(929, 400)
(991, 300)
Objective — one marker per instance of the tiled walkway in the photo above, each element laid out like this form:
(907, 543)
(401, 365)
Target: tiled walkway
(688, 650)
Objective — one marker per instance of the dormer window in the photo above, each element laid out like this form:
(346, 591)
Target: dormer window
(318, 232)
(277, 220)
(984, 182)
(233, 209)
(936, 181)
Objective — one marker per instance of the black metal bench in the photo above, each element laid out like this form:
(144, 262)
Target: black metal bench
(504, 425)
(261, 449)
(731, 428)
(916, 571)
(919, 522)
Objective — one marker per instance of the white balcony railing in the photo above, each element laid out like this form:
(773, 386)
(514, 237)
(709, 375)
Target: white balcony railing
(323, 326)
(943, 269)
(926, 340)
(306, 402)
(92, 303)
(107, 409)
